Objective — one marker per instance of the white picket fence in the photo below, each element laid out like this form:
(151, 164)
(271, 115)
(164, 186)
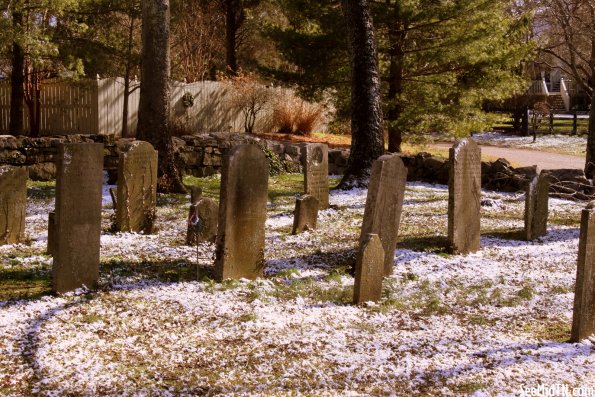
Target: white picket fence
(95, 107)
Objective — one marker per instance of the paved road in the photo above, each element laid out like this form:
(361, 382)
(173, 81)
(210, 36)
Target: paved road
(526, 157)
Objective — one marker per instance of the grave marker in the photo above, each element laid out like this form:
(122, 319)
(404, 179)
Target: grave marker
(464, 194)
(79, 178)
(536, 207)
(384, 204)
(51, 233)
(137, 188)
(315, 162)
(583, 319)
(13, 204)
(202, 221)
(305, 214)
(242, 214)
(369, 270)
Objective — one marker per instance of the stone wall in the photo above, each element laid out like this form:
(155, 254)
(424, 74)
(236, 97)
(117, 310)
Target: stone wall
(201, 155)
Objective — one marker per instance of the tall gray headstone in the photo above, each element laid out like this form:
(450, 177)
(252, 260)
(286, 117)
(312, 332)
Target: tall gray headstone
(242, 214)
(13, 204)
(79, 178)
(464, 194)
(305, 215)
(384, 205)
(583, 319)
(315, 162)
(369, 270)
(536, 207)
(137, 188)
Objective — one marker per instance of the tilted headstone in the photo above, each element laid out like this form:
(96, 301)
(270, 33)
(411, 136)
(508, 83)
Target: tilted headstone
(13, 204)
(583, 319)
(51, 233)
(242, 214)
(464, 194)
(305, 214)
(137, 188)
(315, 162)
(79, 177)
(369, 270)
(384, 205)
(536, 207)
(202, 221)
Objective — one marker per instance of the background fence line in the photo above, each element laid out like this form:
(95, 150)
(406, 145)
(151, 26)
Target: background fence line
(95, 107)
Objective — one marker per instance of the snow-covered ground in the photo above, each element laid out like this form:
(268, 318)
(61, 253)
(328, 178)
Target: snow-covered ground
(486, 324)
(567, 144)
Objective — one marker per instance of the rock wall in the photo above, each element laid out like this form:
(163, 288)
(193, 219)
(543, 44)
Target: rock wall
(201, 155)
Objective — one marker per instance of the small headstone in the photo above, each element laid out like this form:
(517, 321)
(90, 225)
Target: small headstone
(536, 207)
(315, 162)
(195, 194)
(13, 204)
(369, 270)
(113, 192)
(79, 177)
(384, 205)
(51, 233)
(137, 188)
(583, 319)
(242, 214)
(202, 221)
(305, 214)
(464, 196)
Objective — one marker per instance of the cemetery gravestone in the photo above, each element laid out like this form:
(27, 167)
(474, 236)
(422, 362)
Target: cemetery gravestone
(79, 177)
(464, 194)
(202, 221)
(137, 188)
(369, 270)
(583, 320)
(51, 233)
(305, 214)
(242, 214)
(384, 205)
(536, 207)
(13, 204)
(315, 162)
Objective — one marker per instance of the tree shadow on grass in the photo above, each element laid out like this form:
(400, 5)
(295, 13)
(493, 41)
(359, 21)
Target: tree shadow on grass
(29, 284)
(509, 355)
(430, 244)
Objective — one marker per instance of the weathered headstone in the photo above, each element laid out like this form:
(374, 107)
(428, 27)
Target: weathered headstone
(369, 270)
(137, 188)
(315, 162)
(536, 207)
(384, 204)
(242, 214)
(464, 194)
(51, 233)
(79, 176)
(13, 204)
(583, 320)
(305, 214)
(202, 221)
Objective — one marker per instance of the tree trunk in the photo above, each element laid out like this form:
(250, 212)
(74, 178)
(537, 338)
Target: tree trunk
(590, 158)
(154, 103)
(17, 92)
(397, 36)
(231, 27)
(367, 138)
(127, 72)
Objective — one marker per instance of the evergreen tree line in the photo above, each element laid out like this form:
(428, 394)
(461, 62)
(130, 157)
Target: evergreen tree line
(409, 67)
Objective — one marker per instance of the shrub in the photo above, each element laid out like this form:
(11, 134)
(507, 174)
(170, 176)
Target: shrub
(293, 115)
